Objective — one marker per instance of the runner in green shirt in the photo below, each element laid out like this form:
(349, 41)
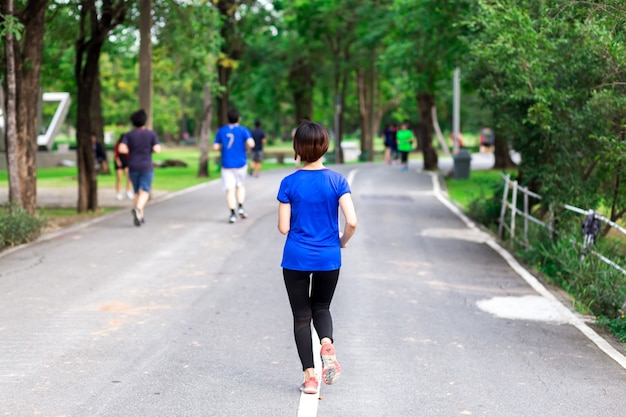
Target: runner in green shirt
(405, 138)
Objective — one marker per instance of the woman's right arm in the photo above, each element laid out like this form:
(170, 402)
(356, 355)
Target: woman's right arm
(347, 208)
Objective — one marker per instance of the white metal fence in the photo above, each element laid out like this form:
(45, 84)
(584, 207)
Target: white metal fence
(512, 191)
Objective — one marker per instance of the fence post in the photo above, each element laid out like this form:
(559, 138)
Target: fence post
(550, 221)
(525, 190)
(513, 208)
(505, 201)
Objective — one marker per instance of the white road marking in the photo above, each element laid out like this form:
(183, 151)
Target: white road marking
(528, 307)
(308, 402)
(470, 235)
(568, 316)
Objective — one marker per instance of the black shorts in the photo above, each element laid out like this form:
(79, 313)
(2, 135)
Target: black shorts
(257, 156)
(124, 160)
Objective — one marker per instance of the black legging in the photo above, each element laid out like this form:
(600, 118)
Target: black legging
(306, 307)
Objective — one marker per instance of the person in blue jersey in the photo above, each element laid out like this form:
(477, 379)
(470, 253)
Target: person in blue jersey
(308, 213)
(234, 141)
(139, 144)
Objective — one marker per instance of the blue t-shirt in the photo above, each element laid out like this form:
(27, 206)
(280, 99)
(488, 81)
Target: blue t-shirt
(233, 139)
(140, 142)
(313, 240)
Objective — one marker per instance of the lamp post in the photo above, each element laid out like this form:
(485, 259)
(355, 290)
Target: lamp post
(456, 109)
(462, 158)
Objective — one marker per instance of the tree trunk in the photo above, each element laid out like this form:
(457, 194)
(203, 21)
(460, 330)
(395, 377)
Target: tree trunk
(223, 75)
(27, 58)
(502, 154)
(145, 59)
(372, 105)
(438, 133)
(425, 102)
(97, 121)
(301, 85)
(205, 132)
(366, 107)
(86, 72)
(87, 180)
(341, 83)
(10, 117)
(232, 49)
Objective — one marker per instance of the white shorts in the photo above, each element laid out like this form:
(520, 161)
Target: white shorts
(233, 177)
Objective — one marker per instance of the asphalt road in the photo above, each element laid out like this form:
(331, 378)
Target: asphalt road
(187, 316)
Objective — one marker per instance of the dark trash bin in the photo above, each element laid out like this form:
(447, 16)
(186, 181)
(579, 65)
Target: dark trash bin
(462, 162)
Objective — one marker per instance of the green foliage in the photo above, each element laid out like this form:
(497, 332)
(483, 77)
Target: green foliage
(597, 288)
(480, 195)
(552, 77)
(486, 209)
(616, 325)
(11, 24)
(18, 226)
(424, 41)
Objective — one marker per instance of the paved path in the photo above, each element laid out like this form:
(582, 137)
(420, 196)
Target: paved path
(188, 316)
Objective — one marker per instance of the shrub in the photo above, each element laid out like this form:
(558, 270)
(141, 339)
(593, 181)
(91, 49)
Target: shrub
(617, 326)
(485, 210)
(597, 288)
(17, 226)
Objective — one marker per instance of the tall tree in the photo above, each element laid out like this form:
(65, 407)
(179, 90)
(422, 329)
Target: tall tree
(373, 22)
(275, 72)
(27, 55)
(300, 51)
(11, 29)
(191, 40)
(145, 59)
(331, 24)
(232, 49)
(426, 45)
(95, 25)
(555, 76)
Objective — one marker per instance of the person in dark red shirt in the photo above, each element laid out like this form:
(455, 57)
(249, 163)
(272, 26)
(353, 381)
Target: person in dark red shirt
(121, 169)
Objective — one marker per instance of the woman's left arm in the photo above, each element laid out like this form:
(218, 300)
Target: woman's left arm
(284, 217)
(347, 208)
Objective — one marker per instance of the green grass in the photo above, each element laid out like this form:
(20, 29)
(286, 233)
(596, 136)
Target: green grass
(480, 184)
(56, 212)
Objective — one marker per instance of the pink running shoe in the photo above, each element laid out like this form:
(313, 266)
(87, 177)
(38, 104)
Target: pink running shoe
(330, 366)
(309, 386)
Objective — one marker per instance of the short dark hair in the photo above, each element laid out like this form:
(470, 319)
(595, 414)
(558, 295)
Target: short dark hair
(139, 118)
(233, 116)
(257, 123)
(310, 141)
